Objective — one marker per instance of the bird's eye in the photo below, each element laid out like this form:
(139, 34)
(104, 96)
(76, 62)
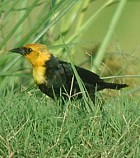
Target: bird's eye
(26, 50)
(29, 50)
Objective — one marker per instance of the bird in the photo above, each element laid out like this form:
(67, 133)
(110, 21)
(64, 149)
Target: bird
(56, 78)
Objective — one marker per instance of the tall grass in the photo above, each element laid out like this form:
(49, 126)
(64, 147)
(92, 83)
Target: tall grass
(55, 23)
(33, 125)
(101, 53)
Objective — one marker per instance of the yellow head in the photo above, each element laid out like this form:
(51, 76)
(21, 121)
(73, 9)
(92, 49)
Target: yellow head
(37, 54)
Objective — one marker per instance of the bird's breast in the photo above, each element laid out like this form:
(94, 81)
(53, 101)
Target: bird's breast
(39, 75)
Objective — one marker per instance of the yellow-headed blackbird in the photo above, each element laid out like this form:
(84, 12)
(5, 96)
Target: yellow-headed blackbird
(55, 77)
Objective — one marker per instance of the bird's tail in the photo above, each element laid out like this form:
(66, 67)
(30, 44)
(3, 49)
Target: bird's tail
(115, 86)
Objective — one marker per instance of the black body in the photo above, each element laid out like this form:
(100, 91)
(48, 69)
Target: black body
(61, 80)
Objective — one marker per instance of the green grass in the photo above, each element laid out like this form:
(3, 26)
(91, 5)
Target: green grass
(33, 125)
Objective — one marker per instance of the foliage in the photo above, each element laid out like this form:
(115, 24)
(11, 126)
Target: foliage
(35, 126)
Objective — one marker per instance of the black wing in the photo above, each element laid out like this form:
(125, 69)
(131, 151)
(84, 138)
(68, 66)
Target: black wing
(86, 75)
(62, 74)
(90, 79)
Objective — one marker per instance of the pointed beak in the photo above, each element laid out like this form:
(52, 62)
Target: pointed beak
(20, 50)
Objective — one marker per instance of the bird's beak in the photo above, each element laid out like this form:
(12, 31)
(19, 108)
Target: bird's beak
(20, 50)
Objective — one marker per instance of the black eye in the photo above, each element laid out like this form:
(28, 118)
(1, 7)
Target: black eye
(26, 50)
(29, 50)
